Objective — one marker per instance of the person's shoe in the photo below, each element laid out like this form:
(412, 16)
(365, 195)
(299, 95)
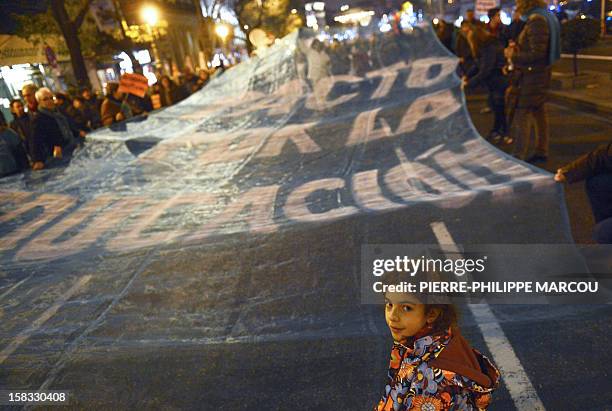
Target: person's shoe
(485, 110)
(494, 137)
(507, 140)
(537, 158)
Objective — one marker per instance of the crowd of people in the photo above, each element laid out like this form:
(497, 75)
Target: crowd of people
(514, 64)
(48, 125)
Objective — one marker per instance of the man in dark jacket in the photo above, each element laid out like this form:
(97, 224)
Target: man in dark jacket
(488, 71)
(470, 18)
(532, 58)
(91, 107)
(63, 104)
(22, 123)
(495, 26)
(114, 108)
(514, 29)
(462, 49)
(52, 133)
(596, 168)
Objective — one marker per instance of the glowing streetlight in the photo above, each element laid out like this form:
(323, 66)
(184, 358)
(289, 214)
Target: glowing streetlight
(222, 31)
(150, 15)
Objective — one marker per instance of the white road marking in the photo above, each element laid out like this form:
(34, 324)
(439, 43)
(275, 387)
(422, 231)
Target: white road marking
(49, 312)
(517, 382)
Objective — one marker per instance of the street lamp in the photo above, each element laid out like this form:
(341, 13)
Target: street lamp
(222, 31)
(150, 15)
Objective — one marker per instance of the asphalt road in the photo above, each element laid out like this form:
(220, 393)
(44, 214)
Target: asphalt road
(562, 351)
(559, 346)
(572, 134)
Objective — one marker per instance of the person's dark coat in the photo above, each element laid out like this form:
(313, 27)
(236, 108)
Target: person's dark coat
(80, 119)
(598, 161)
(139, 105)
(111, 107)
(92, 111)
(47, 134)
(189, 85)
(12, 152)
(24, 127)
(532, 74)
(463, 51)
(66, 110)
(109, 110)
(444, 31)
(596, 168)
(170, 96)
(514, 30)
(488, 68)
(502, 32)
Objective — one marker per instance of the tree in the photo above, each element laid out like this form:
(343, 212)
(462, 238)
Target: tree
(70, 30)
(65, 18)
(578, 34)
(83, 38)
(272, 16)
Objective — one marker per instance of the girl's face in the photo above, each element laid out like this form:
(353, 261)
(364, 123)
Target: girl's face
(405, 316)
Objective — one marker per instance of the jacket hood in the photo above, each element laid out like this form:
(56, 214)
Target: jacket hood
(459, 357)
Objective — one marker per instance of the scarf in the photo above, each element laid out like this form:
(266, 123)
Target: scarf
(62, 123)
(554, 30)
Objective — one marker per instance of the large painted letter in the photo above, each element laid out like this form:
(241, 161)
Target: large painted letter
(293, 132)
(132, 236)
(364, 129)
(386, 83)
(367, 192)
(419, 75)
(317, 100)
(297, 209)
(53, 205)
(259, 201)
(437, 105)
(44, 245)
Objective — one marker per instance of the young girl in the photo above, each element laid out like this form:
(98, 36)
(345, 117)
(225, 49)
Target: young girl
(432, 366)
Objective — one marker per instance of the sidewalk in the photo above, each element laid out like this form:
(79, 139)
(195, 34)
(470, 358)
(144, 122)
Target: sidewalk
(590, 90)
(595, 98)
